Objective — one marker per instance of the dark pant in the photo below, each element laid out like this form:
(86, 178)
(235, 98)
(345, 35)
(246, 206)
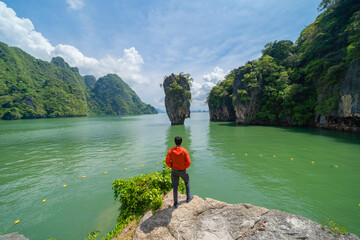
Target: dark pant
(175, 174)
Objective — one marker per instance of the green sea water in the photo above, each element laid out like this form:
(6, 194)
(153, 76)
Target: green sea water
(311, 172)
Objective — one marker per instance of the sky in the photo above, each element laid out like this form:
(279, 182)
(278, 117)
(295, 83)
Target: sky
(144, 40)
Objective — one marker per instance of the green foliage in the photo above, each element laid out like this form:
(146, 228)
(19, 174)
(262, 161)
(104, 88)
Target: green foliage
(187, 76)
(112, 96)
(140, 193)
(221, 92)
(294, 82)
(92, 235)
(32, 88)
(333, 227)
(179, 88)
(283, 52)
(325, 3)
(353, 29)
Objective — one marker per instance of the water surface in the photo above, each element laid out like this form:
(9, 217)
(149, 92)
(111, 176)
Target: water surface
(310, 172)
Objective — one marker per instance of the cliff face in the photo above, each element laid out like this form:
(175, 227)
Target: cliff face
(314, 82)
(245, 99)
(177, 98)
(211, 219)
(347, 117)
(220, 102)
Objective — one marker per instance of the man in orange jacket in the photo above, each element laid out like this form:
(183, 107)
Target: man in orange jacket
(178, 160)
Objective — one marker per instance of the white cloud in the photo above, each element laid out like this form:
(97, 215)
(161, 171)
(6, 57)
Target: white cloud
(75, 4)
(200, 91)
(215, 76)
(20, 32)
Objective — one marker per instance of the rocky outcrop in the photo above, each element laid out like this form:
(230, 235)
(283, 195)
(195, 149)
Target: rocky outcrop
(347, 117)
(224, 112)
(245, 103)
(211, 219)
(220, 101)
(13, 236)
(177, 98)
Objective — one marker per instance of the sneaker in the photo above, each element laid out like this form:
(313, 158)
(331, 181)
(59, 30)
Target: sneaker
(190, 198)
(176, 205)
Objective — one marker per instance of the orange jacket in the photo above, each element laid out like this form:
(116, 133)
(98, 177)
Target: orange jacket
(178, 158)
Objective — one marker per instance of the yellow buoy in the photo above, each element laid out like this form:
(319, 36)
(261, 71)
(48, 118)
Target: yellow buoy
(84, 176)
(274, 155)
(64, 185)
(246, 154)
(105, 172)
(17, 221)
(220, 154)
(43, 201)
(233, 154)
(291, 159)
(125, 169)
(260, 155)
(157, 163)
(197, 156)
(312, 162)
(209, 155)
(142, 166)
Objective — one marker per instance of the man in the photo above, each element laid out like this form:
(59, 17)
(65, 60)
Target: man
(178, 160)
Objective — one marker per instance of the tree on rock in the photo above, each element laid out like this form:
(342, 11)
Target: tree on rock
(177, 97)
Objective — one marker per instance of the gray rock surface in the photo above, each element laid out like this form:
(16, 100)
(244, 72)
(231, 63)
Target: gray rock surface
(13, 236)
(347, 118)
(211, 219)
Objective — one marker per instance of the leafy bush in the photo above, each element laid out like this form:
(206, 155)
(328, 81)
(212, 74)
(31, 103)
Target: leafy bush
(140, 193)
(333, 227)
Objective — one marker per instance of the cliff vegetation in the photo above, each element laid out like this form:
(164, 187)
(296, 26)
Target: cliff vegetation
(177, 97)
(32, 88)
(314, 81)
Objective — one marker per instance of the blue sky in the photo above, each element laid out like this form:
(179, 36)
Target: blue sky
(142, 41)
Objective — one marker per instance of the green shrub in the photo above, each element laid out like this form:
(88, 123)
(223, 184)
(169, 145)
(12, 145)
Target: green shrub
(140, 193)
(333, 227)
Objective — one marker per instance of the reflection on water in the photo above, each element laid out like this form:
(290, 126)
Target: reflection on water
(278, 168)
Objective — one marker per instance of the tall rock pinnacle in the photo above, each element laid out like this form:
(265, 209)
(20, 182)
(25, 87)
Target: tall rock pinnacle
(177, 97)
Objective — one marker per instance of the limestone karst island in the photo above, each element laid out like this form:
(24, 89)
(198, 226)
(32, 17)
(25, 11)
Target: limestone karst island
(265, 96)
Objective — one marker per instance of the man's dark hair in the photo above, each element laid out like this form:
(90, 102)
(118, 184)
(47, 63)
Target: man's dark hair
(178, 140)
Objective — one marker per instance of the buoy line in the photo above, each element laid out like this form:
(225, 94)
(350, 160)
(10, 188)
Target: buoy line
(43, 202)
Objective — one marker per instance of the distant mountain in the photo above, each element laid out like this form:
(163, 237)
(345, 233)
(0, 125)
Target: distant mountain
(32, 88)
(111, 95)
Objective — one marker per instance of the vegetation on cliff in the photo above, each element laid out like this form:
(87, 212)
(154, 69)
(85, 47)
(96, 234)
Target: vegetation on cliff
(111, 95)
(139, 194)
(291, 83)
(177, 97)
(32, 88)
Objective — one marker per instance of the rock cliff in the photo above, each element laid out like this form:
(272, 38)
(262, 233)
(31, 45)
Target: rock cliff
(177, 98)
(221, 107)
(245, 99)
(312, 82)
(347, 118)
(211, 219)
